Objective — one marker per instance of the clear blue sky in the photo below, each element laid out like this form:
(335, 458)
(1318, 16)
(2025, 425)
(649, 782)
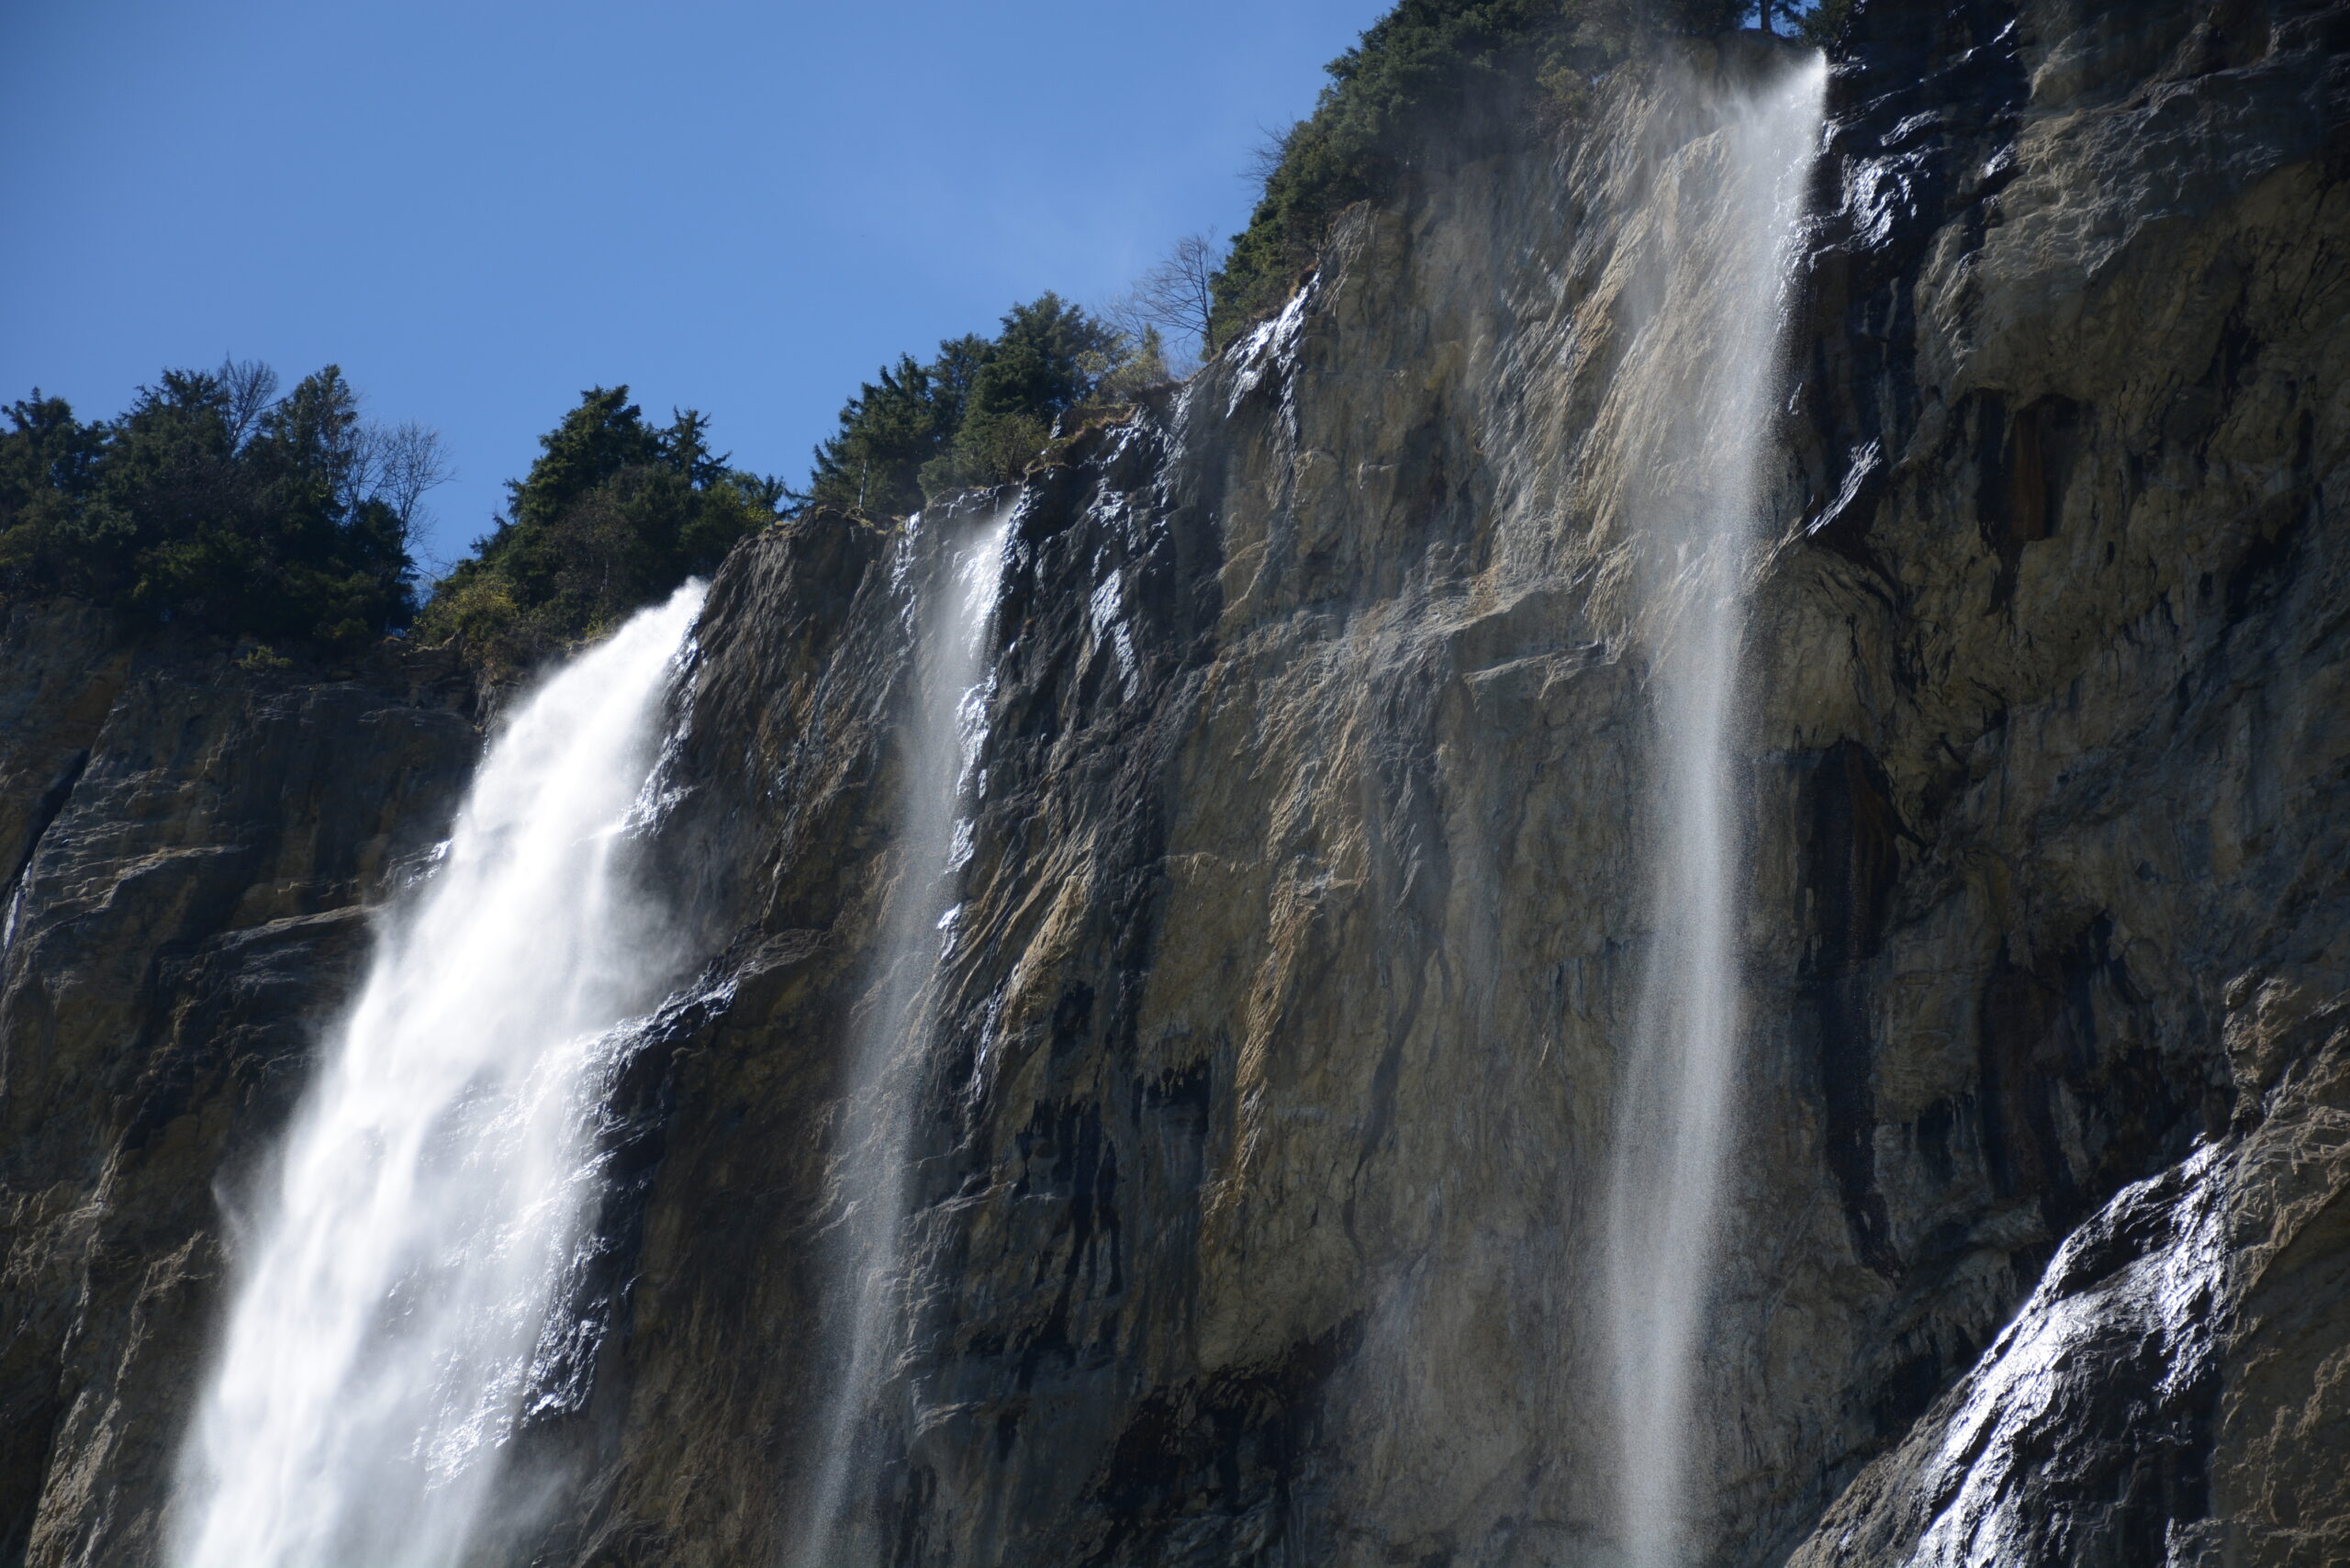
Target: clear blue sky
(479, 208)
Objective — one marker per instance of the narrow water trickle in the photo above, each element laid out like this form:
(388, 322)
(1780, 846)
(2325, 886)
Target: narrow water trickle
(951, 586)
(408, 1252)
(1692, 408)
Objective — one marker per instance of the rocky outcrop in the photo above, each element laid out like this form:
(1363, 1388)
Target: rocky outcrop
(1260, 1161)
(2172, 1391)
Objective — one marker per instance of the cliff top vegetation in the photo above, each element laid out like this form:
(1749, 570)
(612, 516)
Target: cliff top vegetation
(1444, 79)
(978, 412)
(615, 512)
(213, 502)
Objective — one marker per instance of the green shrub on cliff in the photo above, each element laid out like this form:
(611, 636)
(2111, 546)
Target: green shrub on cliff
(1822, 25)
(978, 413)
(614, 515)
(214, 503)
(1430, 78)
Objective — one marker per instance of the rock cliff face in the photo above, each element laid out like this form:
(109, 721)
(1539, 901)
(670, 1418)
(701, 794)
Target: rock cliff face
(191, 847)
(1260, 1155)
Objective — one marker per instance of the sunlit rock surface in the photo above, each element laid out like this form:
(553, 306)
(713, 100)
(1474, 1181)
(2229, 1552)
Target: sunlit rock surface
(1259, 1171)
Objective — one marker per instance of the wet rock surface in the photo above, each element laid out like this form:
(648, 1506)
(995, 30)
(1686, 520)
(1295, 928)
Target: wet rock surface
(1259, 1166)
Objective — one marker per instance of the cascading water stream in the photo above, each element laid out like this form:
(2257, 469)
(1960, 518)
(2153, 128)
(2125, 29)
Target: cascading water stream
(408, 1261)
(954, 610)
(1693, 406)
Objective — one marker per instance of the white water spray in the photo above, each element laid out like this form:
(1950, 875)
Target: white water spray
(955, 615)
(419, 1229)
(1694, 398)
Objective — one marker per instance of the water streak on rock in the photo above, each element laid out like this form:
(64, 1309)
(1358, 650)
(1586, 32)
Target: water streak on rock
(949, 589)
(1692, 407)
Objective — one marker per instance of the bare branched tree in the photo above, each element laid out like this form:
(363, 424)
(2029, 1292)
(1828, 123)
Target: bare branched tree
(395, 464)
(353, 459)
(1175, 297)
(409, 460)
(1272, 146)
(251, 387)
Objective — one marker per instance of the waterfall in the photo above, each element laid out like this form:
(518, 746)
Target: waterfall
(950, 588)
(1693, 401)
(404, 1273)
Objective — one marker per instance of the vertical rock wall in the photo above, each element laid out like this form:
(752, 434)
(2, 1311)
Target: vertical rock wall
(1258, 1170)
(1259, 1177)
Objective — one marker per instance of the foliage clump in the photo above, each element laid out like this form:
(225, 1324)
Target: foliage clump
(214, 503)
(614, 515)
(978, 413)
(1436, 78)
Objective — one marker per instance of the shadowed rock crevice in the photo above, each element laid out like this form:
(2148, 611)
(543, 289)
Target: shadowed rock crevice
(1854, 851)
